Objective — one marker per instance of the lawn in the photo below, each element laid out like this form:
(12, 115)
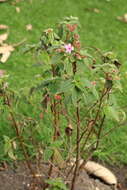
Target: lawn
(99, 28)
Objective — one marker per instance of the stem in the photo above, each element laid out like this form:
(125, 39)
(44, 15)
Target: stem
(55, 136)
(104, 93)
(97, 144)
(46, 185)
(55, 122)
(55, 126)
(89, 125)
(91, 107)
(74, 67)
(77, 150)
(15, 125)
(53, 71)
(99, 133)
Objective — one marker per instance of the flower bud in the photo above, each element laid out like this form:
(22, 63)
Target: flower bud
(69, 130)
(58, 97)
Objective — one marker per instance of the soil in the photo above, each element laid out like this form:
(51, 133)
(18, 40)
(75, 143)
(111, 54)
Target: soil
(18, 177)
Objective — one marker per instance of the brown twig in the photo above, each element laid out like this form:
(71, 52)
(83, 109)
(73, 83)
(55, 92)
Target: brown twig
(102, 137)
(104, 93)
(99, 133)
(77, 149)
(15, 125)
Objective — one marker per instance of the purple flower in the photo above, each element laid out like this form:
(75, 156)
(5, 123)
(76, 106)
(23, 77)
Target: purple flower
(69, 48)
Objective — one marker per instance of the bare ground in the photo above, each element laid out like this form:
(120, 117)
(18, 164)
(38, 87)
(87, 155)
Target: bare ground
(17, 177)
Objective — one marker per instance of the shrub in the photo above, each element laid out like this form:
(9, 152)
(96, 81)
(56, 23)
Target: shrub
(73, 101)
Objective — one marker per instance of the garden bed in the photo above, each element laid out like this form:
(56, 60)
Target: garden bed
(17, 177)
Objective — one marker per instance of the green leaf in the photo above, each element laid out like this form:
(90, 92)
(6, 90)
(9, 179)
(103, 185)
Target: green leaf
(66, 86)
(58, 159)
(85, 53)
(48, 153)
(60, 31)
(43, 57)
(68, 67)
(76, 95)
(53, 87)
(80, 82)
(85, 98)
(56, 184)
(118, 85)
(112, 112)
(94, 91)
(28, 48)
(46, 82)
(11, 154)
(122, 116)
(56, 59)
(56, 144)
(112, 100)
(7, 145)
(67, 98)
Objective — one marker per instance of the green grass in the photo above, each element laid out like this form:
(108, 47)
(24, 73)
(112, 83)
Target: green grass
(101, 30)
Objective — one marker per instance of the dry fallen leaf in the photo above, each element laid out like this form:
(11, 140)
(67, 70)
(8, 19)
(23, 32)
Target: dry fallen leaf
(123, 18)
(95, 10)
(5, 51)
(3, 27)
(17, 9)
(2, 1)
(3, 37)
(29, 27)
(97, 188)
(100, 171)
(97, 170)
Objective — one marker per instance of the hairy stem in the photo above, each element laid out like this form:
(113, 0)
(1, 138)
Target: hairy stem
(15, 125)
(99, 133)
(77, 150)
(104, 93)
